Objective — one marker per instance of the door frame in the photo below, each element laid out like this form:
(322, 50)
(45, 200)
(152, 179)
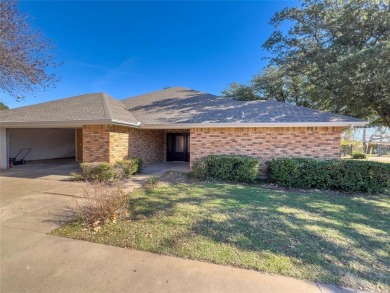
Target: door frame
(177, 156)
(79, 144)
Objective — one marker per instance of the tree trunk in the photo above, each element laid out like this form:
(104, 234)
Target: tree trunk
(364, 140)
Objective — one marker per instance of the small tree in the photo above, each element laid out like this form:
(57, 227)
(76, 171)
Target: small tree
(25, 54)
(3, 106)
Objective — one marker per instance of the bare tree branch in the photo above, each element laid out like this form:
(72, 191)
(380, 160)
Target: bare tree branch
(25, 54)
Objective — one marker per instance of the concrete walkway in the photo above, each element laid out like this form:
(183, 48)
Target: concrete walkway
(32, 261)
(154, 170)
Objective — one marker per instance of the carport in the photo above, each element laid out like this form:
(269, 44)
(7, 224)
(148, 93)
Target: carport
(45, 143)
(56, 129)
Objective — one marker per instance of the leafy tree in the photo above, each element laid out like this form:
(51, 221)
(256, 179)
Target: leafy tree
(3, 106)
(240, 92)
(334, 57)
(25, 54)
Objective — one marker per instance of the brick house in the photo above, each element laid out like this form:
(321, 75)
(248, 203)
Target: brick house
(174, 124)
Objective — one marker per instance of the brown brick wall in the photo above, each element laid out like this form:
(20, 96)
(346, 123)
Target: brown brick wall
(105, 143)
(96, 141)
(267, 143)
(111, 143)
(147, 144)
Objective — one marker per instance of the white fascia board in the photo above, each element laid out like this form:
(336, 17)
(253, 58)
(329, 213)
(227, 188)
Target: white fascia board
(124, 123)
(54, 124)
(80, 123)
(237, 125)
(66, 124)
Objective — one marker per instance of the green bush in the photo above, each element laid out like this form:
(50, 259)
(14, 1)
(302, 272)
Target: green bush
(350, 176)
(199, 169)
(129, 167)
(227, 168)
(358, 155)
(105, 172)
(102, 172)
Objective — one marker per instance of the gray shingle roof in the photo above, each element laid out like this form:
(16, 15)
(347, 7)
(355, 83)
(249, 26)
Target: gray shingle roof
(182, 105)
(175, 106)
(85, 108)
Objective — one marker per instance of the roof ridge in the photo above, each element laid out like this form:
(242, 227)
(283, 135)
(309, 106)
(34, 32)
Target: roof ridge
(107, 110)
(161, 90)
(119, 103)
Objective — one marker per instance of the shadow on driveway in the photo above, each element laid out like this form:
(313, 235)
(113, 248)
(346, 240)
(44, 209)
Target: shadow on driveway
(43, 169)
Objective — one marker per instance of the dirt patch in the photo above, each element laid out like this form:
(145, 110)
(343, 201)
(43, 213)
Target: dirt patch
(175, 177)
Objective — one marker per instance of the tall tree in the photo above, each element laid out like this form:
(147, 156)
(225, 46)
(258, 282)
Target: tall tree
(241, 92)
(334, 57)
(25, 55)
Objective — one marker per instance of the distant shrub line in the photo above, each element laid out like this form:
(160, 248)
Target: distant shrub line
(358, 155)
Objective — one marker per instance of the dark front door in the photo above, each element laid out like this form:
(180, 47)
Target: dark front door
(178, 147)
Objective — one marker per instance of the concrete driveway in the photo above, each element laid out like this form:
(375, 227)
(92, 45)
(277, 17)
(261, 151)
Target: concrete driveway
(34, 200)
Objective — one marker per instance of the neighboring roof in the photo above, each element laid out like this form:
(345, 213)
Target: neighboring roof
(176, 107)
(74, 111)
(182, 106)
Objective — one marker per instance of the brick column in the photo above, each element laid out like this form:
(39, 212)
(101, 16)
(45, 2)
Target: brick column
(96, 144)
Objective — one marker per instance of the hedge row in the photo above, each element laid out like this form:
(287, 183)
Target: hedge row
(350, 176)
(227, 168)
(105, 172)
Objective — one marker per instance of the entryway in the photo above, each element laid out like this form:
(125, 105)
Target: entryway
(178, 145)
(161, 168)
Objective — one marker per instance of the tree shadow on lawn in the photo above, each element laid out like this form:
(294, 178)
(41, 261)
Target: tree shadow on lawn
(343, 240)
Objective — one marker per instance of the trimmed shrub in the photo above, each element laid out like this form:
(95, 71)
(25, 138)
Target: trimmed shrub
(299, 173)
(105, 172)
(227, 168)
(350, 176)
(199, 168)
(358, 155)
(102, 172)
(129, 167)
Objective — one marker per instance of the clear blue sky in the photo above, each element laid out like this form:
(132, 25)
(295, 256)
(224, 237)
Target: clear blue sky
(130, 48)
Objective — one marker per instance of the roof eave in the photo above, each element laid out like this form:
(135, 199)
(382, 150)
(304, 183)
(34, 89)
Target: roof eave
(264, 124)
(124, 123)
(65, 123)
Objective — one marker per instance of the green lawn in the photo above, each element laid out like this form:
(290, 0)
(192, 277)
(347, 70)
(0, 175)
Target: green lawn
(374, 158)
(331, 238)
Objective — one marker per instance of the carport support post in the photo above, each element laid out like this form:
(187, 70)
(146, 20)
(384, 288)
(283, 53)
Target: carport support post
(3, 149)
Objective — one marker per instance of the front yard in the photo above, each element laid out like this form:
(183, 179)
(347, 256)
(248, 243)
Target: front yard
(318, 236)
(373, 158)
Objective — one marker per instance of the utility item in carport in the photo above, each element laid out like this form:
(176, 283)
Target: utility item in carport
(22, 154)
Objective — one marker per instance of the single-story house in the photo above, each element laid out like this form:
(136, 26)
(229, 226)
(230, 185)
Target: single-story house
(173, 124)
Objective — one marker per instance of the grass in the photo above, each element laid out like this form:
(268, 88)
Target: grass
(374, 158)
(331, 238)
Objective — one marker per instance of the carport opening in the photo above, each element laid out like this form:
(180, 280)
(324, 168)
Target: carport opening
(45, 143)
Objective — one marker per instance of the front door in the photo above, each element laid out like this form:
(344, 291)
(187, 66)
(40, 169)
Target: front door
(178, 147)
